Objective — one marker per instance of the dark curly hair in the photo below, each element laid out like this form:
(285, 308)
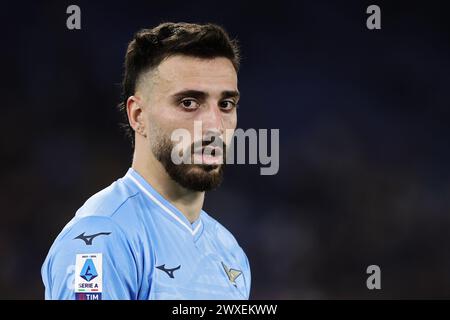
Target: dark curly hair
(150, 46)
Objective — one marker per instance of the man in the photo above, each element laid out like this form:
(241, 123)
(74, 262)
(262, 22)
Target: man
(146, 235)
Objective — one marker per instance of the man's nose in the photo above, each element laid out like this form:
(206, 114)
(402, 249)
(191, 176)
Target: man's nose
(212, 119)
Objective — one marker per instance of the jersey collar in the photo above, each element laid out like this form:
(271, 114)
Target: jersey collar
(195, 228)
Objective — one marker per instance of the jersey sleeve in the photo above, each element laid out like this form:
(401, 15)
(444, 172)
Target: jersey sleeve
(92, 259)
(248, 275)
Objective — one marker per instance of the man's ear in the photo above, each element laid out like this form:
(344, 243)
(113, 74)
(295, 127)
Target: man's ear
(136, 115)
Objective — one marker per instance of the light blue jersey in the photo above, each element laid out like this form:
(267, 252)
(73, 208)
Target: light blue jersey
(128, 242)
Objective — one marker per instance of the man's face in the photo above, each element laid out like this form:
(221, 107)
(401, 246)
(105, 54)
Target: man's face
(183, 90)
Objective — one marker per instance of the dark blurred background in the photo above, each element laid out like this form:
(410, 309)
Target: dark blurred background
(364, 131)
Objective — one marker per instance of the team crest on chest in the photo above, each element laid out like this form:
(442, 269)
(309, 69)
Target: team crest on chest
(232, 274)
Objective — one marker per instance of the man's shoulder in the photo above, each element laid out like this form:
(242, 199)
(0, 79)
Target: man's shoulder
(221, 232)
(112, 210)
(107, 202)
(103, 227)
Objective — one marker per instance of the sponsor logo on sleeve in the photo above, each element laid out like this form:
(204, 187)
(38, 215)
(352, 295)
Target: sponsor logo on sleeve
(88, 276)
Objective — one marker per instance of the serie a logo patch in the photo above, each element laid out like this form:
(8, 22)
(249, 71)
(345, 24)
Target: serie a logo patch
(88, 276)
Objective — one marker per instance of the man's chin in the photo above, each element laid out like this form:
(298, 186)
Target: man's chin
(199, 177)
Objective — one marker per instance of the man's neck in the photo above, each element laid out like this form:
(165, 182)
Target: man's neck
(189, 202)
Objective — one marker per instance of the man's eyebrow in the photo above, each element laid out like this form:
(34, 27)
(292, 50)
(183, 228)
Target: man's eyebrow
(230, 94)
(200, 95)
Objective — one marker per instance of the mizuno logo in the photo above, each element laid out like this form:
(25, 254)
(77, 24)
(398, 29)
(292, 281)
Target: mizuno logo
(168, 271)
(88, 239)
(232, 274)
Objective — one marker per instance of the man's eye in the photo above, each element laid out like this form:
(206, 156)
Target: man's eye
(189, 104)
(227, 104)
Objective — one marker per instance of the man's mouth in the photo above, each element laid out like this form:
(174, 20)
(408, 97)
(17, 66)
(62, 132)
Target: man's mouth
(209, 155)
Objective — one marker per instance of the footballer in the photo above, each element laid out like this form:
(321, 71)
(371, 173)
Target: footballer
(146, 235)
